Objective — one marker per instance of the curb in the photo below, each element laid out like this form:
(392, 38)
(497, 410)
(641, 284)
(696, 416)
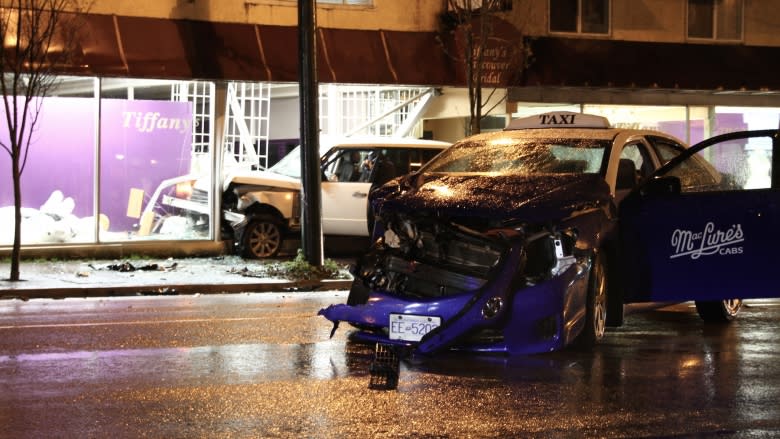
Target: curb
(169, 289)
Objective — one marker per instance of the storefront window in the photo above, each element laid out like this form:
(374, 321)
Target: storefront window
(57, 182)
(155, 160)
(671, 120)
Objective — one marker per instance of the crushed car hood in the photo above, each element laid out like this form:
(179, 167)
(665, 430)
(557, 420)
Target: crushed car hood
(538, 197)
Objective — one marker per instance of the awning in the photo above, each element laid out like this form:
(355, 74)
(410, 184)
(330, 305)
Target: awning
(186, 49)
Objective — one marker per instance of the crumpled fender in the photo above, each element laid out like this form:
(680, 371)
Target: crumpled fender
(470, 316)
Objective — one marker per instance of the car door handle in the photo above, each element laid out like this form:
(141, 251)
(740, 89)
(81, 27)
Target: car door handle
(360, 194)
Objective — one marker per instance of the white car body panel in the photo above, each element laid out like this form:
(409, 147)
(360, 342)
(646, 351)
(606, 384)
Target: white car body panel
(344, 208)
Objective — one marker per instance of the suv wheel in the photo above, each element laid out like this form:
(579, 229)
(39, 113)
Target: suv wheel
(262, 237)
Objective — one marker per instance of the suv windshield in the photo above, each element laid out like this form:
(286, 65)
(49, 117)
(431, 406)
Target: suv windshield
(289, 165)
(521, 156)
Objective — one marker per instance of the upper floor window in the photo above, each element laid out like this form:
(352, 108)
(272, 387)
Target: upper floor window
(579, 16)
(715, 19)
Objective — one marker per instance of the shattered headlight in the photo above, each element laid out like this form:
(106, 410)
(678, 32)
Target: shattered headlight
(549, 253)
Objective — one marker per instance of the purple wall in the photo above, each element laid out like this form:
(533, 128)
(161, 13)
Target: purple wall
(143, 143)
(724, 123)
(61, 156)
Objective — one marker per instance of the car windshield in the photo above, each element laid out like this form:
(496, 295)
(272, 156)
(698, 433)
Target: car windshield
(521, 156)
(289, 165)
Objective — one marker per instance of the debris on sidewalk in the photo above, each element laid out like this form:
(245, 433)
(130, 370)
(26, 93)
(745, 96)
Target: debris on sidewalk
(43, 278)
(297, 270)
(126, 266)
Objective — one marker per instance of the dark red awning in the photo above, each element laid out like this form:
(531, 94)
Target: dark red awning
(186, 49)
(175, 49)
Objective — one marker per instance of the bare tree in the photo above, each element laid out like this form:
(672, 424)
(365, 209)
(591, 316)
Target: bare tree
(471, 25)
(38, 39)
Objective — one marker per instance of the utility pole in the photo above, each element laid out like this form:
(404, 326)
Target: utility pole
(311, 199)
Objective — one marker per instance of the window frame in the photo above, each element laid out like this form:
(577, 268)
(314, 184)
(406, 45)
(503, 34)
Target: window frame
(580, 24)
(716, 14)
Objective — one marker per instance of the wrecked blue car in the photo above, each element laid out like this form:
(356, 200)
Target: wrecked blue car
(514, 242)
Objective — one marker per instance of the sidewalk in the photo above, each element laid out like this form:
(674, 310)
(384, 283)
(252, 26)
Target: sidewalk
(106, 278)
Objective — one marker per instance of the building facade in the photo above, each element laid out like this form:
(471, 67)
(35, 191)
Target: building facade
(166, 96)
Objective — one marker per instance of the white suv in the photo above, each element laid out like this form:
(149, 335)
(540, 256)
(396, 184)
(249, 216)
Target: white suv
(263, 207)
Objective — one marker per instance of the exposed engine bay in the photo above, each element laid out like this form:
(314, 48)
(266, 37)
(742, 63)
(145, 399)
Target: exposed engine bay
(427, 257)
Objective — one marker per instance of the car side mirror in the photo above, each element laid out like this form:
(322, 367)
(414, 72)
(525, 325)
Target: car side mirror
(661, 186)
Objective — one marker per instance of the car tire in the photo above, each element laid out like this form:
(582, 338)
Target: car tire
(263, 237)
(596, 304)
(718, 311)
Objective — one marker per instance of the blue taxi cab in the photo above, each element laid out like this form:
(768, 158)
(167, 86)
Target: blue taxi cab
(540, 236)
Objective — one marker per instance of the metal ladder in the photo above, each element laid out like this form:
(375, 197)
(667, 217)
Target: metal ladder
(247, 123)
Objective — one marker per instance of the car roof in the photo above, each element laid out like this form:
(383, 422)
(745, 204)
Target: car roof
(560, 133)
(608, 134)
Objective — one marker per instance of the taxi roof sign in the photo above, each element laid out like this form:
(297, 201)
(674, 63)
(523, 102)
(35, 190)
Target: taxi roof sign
(559, 119)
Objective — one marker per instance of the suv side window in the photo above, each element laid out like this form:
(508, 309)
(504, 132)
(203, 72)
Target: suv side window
(384, 165)
(358, 164)
(419, 157)
(345, 165)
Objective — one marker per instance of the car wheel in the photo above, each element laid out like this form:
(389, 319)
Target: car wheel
(596, 304)
(718, 311)
(262, 237)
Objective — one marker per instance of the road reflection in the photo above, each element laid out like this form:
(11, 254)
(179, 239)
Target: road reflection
(249, 366)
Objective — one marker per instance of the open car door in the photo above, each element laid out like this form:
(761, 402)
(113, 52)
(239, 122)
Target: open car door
(706, 226)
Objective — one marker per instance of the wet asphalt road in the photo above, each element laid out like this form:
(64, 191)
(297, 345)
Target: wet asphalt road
(262, 365)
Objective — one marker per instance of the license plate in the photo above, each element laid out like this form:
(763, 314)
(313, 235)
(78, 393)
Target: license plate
(411, 327)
